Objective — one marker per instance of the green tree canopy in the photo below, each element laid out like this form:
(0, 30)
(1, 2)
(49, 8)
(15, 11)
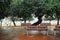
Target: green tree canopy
(25, 8)
(3, 5)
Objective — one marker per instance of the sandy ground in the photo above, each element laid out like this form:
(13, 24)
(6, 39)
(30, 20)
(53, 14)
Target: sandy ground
(11, 33)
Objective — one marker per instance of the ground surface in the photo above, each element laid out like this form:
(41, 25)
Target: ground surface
(36, 37)
(17, 34)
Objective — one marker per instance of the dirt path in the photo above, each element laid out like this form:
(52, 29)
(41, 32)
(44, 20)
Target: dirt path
(36, 37)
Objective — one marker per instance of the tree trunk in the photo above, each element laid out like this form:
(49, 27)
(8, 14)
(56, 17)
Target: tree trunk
(13, 22)
(58, 21)
(50, 21)
(24, 21)
(39, 20)
(1, 22)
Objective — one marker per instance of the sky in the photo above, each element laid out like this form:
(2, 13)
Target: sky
(7, 21)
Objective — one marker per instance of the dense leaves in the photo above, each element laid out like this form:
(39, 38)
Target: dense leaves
(25, 9)
(3, 5)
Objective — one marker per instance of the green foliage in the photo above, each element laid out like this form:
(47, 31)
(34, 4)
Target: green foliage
(3, 5)
(25, 8)
(1, 0)
(49, 18)
(19, 10)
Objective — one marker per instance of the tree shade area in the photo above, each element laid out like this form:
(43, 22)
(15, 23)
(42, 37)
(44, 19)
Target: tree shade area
(26, 9)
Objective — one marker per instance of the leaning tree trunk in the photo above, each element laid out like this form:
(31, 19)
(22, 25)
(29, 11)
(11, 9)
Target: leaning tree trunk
(13, 22)
(39, 21)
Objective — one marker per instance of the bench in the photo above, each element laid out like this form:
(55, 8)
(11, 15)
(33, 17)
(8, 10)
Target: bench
(37, 30)
(57, 30)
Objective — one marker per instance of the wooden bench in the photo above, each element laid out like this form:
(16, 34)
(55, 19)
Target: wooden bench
(57, 30)
(40, 29)
(45, 24)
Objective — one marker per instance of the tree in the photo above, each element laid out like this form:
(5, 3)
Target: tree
(24, 9)
(12, 10)
(3, 5)
(57, 14)
(49, 18)
(56, 10)
(40, 8)
(18, 10)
